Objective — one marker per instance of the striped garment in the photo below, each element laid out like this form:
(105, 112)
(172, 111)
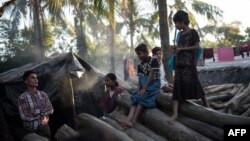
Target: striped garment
(32, 106)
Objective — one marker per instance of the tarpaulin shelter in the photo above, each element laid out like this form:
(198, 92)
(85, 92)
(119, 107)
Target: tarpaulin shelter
(71, 83)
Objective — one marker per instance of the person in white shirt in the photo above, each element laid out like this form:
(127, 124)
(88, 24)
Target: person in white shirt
(165, 86)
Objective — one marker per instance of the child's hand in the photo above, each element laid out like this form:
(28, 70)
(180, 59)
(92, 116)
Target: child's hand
(174, 48)
(177, 50)
(142, 92)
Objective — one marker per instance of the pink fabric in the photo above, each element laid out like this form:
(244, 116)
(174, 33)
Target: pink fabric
(225, 54)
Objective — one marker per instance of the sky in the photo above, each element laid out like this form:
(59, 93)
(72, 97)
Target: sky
(233, 10)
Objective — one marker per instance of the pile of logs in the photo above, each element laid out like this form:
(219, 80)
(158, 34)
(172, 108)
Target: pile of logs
(230, 98)
(195, 122)
(229, 105)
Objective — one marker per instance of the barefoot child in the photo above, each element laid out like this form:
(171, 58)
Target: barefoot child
(165, 86)
(186, 83)
(149, 85)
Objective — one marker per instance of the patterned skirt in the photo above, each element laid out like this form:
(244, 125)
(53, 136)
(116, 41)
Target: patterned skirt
(149, 99)
(186, 84)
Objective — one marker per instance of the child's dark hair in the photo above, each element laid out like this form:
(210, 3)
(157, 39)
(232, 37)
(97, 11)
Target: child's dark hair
(112, 77)
(156, 49)
(181, 16)
(27, 74)
(141, 47)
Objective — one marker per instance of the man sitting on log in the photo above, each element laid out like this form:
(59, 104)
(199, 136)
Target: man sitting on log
(34, 107)
(148, 72)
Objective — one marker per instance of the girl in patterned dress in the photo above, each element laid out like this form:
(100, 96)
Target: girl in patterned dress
(186, 83)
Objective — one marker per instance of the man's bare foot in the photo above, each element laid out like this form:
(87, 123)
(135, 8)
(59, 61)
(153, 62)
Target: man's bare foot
(125, 123)
(172, 119)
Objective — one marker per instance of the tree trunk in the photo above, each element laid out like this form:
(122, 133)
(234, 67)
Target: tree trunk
(65, 132)
(88, 122)
(205, 129)
(131, 24)
(202, 114)
(156, 120)
(131, 132)
(164, 35)
(112, 49)
(241, 99)
(218, 88)
(118, 115)
(34, 137)
(81, 36)
(38, 33)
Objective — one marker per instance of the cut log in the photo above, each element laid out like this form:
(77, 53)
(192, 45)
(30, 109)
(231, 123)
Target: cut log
(131, 132)
(217, 106)
(207, 130)
(228, 103)
(34, 137)
(220, 97)
(243, 109)
(139, 127)
(157, 121)
(112, 122)
(218, 88)
(65, 132)
(236, 89)
(210, 87)
(246, 106)
(237, 102)
(246, 113)
(203, 114)
(225, 91)
(88, 122)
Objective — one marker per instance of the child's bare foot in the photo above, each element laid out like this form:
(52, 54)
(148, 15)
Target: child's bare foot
(172, 119)
(126, 123)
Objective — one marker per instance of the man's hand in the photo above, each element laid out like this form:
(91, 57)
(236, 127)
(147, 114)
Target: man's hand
(44, 120)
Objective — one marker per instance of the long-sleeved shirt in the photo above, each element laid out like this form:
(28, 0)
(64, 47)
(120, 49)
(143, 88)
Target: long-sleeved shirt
(32, 106)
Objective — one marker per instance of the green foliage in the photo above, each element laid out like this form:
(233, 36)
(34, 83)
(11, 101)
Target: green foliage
(247, 31)
(229, 35)
(16, 52)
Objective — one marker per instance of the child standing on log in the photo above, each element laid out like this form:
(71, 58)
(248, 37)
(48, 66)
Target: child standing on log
(108, 103)
(149, 85)
(186, 83)
(165, 86)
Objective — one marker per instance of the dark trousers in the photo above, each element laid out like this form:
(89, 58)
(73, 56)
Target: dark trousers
(43, 130)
